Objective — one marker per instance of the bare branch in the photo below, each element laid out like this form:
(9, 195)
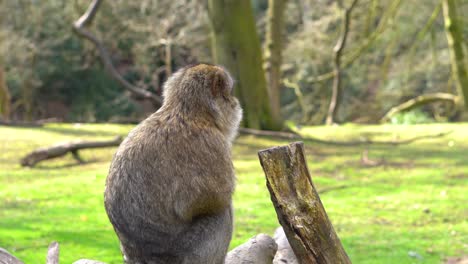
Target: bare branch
(338, 51)
(79, 28)
(353, 55)
(418, 101)
(87, 18)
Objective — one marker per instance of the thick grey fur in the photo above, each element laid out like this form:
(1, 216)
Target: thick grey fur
(169, 189)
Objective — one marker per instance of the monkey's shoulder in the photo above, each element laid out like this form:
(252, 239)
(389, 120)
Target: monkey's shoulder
(159, 139)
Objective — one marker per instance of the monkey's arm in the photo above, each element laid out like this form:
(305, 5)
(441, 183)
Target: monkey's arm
(205, 175)
(205, 202)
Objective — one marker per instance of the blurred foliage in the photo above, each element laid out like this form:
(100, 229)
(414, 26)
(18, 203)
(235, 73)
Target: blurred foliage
(411, 117)
(396, 65)
(51, 72)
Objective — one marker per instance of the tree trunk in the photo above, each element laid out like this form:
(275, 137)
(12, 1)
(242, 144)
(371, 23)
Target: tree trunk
(338, 51)
(5, 104)
(236, 46)
(273, 57)
(453, 29)
(298, 206)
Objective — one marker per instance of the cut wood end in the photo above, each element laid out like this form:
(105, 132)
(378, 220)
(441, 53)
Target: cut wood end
(264, 152)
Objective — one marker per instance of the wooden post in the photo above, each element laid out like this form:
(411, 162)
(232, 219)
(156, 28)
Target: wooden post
(298, 206)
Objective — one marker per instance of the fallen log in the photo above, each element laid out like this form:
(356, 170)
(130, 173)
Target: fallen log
(59, 150)
(284, 254)
(260, 249)
(298, 206)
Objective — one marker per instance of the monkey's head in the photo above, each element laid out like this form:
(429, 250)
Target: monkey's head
(204, 92)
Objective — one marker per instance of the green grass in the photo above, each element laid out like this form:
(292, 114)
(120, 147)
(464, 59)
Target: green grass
(417, 201)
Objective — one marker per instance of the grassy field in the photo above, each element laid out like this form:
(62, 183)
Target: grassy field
(410, 209)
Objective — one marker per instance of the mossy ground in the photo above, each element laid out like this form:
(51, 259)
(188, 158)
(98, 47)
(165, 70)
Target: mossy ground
(411, 209)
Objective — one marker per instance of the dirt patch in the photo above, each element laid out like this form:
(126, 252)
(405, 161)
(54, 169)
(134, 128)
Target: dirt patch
(456, 260)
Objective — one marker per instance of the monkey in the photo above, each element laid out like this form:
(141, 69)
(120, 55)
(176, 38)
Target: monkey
(169, 189)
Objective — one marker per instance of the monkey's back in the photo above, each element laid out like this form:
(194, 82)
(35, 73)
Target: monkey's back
(161, 178)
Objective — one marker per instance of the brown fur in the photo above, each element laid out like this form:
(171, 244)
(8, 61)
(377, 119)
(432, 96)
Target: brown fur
(168, 192)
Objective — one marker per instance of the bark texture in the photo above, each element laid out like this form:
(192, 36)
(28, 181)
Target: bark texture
(273, 57)
(453, 29)
(236, 46)
(5, 104)
(298, 206)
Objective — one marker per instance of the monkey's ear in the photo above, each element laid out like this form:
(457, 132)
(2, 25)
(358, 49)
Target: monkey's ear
(220, 86)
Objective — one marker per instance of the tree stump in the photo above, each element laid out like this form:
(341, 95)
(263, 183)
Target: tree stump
(298, 206)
